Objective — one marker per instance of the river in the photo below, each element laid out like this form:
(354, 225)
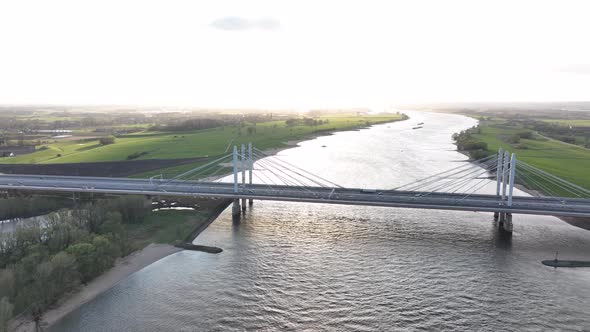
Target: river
(306, 267)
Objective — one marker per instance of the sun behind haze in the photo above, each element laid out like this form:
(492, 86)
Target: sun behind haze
(292, 53)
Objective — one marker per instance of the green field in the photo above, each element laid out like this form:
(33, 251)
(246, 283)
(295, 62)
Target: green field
(574, 123)
(191, 144)
(166, 226)
(564, 160)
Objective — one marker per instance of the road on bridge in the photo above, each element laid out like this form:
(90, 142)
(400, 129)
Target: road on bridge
(328, 195)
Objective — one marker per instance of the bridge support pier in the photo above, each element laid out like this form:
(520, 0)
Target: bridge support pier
(235, 211)
(507, 224)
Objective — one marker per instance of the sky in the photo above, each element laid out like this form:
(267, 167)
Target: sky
(292, 54)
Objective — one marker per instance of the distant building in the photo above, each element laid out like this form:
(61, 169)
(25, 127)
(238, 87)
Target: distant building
(54, 131)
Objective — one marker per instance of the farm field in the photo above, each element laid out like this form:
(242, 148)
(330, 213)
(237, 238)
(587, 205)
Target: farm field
(189, 144)
(576, 123)
(567, 161)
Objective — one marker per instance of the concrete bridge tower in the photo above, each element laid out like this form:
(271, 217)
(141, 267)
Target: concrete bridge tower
(251, 168)
(499, 172)
(243, 155)
(247, 163)
(236, 203)
(505, 176)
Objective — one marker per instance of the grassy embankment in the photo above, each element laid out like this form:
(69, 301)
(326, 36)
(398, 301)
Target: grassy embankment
(172, 226)
(188, 144)
(197, 143)
(567, 161)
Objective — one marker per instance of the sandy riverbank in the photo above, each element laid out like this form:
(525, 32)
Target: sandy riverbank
(122, 269)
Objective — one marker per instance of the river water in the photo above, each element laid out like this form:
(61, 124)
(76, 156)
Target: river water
(306, 267)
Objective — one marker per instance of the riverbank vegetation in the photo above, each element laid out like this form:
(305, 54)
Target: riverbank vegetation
(533, 143)
(46, 259)
(30, 206)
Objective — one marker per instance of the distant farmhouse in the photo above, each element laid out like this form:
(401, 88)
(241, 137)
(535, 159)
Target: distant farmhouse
(54, 131)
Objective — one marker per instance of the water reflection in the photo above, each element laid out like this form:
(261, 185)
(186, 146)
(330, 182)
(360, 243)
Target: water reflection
(502, 239)
(296, 266)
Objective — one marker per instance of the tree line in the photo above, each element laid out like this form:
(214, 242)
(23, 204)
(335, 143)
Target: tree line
(467, 142)
(24, 207)
(44, 260)
(564, 133)
(191, 124)
(305, 121)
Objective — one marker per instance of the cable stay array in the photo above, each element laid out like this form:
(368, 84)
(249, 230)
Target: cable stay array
(471, 177)
(209, 169)
(205, 172)
(254, 166)
(553, 186)
(466, 179)
(269, 170)
(289, 172)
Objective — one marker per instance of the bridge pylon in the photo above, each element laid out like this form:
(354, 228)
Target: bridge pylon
(243, 156)
(250, 168)
(505, 177)
(499, 172)
(236, 203)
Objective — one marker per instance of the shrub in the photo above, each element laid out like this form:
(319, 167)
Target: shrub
(85, 255)
(106, 140)
(478, 154)
(132, 209)
(525, 134)
(136, 155)
(514, 139)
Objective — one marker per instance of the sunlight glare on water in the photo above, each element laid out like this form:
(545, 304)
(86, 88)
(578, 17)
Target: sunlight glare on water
(310, 267)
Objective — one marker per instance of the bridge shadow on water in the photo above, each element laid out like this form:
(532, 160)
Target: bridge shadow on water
(502, 239)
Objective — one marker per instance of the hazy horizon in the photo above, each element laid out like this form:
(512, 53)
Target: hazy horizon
(294, 55)
(390, 107)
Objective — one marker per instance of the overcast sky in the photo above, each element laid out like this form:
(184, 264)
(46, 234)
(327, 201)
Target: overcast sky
(292, 53)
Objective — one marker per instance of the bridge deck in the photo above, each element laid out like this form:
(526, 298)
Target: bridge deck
(349, 196)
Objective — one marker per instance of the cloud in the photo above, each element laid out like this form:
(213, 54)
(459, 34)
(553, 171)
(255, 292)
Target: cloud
(581, 69)
(236, 23)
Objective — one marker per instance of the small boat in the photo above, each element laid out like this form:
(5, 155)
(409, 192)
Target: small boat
(417, 127)
(323, 146)
(421, 123)
(565, 263)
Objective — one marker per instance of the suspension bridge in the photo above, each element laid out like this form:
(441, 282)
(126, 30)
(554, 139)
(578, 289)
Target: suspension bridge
(256, 175)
